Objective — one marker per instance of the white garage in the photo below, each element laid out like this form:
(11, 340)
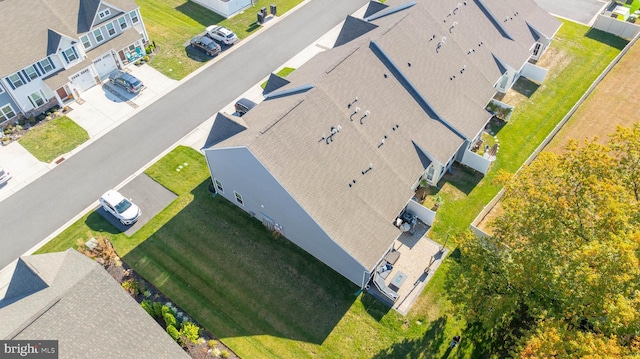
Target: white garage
(105, 64)
(83, 80)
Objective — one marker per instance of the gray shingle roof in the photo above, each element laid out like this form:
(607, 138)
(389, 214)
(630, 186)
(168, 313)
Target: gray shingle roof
(417, 96)
(374, 7)
(274, 82)
(25, 42)
(86, 310)
(352, 29)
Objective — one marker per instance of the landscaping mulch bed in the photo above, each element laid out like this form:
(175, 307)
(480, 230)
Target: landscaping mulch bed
(208, 345)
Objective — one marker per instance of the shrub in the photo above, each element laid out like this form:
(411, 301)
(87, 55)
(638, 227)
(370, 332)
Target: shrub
(170, 320)
(145, 58)
(48, 118)
(225, 354)
(32, 120)
(148, 50)
(157, 310)
(190, 331)
(41, 117)
(131, 286)
(18, 128)
(173, 333)
(212, 343)
(147, 305)
(166, 309)
(147, 293)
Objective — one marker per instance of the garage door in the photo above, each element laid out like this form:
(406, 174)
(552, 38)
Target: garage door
(105, 65)
(83, 80)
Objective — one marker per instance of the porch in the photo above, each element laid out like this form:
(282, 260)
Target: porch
(403, 273)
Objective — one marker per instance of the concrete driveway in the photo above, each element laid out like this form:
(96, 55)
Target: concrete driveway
(105, 106)
(582, 11)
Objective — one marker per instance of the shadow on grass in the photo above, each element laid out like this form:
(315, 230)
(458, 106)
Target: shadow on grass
(607, 38)
(525, 87)
(495, 125)
(200, 14)
(374, 307)
(96, 222)
(253, 27)
(463, 178)
(237, 279)
(425, 346)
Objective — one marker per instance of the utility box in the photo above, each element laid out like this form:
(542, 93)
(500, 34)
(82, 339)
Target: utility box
(260, 18)
(263, 10)
(272, 7)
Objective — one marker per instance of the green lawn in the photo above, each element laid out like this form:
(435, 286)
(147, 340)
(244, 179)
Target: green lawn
(172, 23)
(266, 298)
(51, 139)
(583, 54)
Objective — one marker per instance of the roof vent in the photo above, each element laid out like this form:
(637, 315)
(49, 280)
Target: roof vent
(334, 131)
(368, 169)
(352, 102)
(354, 112)
(442, 42)
(453, 26)
(382, 142)
(366, 113)
(432, 37)
(464, 67)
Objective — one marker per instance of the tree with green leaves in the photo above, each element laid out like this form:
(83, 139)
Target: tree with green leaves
(564, 256)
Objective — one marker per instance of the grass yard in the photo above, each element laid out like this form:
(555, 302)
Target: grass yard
(172, 23)
(577, 56)
(53, 138)
(262, 295)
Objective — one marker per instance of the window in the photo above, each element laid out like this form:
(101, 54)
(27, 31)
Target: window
(123, 23)
(6, 113)
(1, 89)
(46, 65)
(218, 185)
(16, 80)
(31, 72)
(97, 33)
(238, 198)
(37, 98)
(70, 55)
(111, 29)
(134, 16)
(104, 13)
(85, 41)
(536, 49)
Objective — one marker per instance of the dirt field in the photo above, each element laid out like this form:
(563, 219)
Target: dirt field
(612, 103)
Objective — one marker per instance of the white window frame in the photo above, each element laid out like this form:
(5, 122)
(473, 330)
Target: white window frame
(3, 113)
(135, 18)
(17, 82)
(39, 94)
(122, 21)
(70, 55)
(239, 199)
(218, 185)
(86, 42)
(98, 30)
(106, 26)
(44, 63)
(104, 13)
(33, 75)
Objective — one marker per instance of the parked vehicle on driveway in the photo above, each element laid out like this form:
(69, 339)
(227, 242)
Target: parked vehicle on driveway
(127, 81)
(244, 105)
(206, 44)
(5, 176)
(120, 207)
(222, 34)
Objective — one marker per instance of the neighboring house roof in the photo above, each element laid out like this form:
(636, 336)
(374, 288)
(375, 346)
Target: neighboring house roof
(66, 296)
(417, 102)
(25, 42)
(274, 82)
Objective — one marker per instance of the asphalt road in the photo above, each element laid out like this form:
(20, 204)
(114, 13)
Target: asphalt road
(33, 213)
